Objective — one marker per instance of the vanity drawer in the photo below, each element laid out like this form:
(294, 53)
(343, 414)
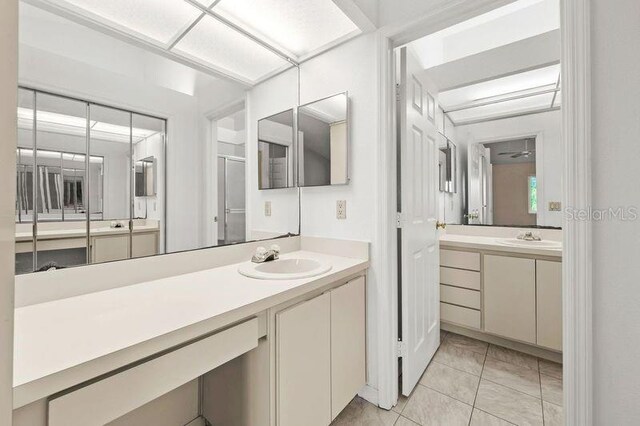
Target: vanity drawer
(110, 398)
(460, 278)
(458, 315)
(460, 296)
(460, 259)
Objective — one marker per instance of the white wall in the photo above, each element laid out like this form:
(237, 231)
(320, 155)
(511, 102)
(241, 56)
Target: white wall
(548, 153)
(8, 103)
(271, 97)
(615, 38)
(351, 67)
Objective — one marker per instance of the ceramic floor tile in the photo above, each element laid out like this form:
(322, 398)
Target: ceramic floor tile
(402, 402)
(362, 413)
(466, 343)
(454, 383)
(480, 418)
(428, 407)
(512, 357)
(550, 368)
(467, 361)
(403, 421)
(443, 335)
(508, 404)
(551, 389)
(512, 376)
(553, 414)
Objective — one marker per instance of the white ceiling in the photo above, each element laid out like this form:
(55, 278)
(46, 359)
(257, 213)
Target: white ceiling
(525, 92)
(329, 110)
(505, 25)
(245, 40)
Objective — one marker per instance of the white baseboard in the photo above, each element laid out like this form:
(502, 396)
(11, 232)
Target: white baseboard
(516, 346)
(369, 394)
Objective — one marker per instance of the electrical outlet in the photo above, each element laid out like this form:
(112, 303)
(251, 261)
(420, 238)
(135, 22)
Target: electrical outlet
(341, 209)
(267, 208)
(555, 206)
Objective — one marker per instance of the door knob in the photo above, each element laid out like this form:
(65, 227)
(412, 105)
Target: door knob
(440, 225)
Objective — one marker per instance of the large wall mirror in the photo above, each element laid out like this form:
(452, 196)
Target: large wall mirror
(153, 153)
(323, 141)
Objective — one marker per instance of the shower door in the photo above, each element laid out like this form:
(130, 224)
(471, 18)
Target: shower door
(231, 200)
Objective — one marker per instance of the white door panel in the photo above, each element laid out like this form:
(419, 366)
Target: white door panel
(419, 206)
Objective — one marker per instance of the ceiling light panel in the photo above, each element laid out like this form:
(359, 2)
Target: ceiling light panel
(299, 27)
(516, 106)
(216, 45)
(547, 76)
(155, 20)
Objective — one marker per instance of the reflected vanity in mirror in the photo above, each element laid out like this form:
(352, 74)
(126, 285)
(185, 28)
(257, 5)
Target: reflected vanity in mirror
(323, 142)
(276, 146)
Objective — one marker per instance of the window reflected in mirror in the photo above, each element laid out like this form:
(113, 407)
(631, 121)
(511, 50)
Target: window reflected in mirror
(323, 142)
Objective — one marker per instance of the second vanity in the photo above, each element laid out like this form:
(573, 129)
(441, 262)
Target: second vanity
(496, 286)
(255, 351)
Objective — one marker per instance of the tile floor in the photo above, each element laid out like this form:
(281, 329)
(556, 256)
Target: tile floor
(470, 382)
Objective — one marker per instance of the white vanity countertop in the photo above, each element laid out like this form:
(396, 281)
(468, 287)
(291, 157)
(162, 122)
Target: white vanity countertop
(62, 343)
(491, 243)
(50, 234)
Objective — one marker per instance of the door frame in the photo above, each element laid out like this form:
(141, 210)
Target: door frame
(577, 252)
(210, 159)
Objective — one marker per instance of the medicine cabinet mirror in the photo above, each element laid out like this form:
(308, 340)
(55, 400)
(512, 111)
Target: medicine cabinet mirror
(145, 177)
(323, 141)
(447, 165)
(276, 151)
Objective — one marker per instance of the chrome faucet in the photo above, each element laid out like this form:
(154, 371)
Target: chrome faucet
(263, 255)
(529, 236)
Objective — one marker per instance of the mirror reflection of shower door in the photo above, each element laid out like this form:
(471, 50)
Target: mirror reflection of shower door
(231, 206)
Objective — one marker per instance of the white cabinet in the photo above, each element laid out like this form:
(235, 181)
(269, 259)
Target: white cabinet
(304, 363)
(510, 297)
(320, 355)
(348, 350)
(549, 304)
(109, 248)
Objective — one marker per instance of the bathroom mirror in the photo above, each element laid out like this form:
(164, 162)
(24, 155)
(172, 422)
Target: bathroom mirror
(447, 163)
(145, 177)
(276, 151)
(112, 166)
(323, 142)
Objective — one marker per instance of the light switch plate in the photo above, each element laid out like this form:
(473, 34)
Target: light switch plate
(341, 209)
(267, 208)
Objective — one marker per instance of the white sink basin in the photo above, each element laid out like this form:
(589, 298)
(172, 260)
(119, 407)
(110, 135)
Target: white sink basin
(515, 242)
(284, 269)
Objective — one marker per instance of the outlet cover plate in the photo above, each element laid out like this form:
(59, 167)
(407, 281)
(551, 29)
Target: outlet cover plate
(341, 209)
(267, 208)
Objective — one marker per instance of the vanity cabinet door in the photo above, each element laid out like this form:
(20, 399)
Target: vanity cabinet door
(549, 303)
(510, 297)
(348, 340)
(304, 363)
(109, 248)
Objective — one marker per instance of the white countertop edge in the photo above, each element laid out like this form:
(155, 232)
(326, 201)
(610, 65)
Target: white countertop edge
(489, 243)
(34, 390)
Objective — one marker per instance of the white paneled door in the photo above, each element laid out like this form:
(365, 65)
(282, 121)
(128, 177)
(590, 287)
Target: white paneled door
(419, 282)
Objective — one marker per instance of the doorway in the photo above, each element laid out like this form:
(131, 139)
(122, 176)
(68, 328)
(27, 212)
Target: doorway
(459, 99)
